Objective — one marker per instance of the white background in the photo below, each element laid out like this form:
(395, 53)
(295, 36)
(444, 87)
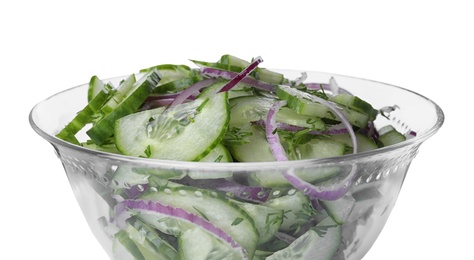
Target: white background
(48, 46)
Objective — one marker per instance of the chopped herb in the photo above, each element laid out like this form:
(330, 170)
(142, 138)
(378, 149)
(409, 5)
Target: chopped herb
(200, 213)
(148, 151)
(237, 221)
(219, 158)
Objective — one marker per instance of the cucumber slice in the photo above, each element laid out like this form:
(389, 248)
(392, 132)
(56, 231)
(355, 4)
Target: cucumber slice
(197, 244)
(364, 143)
(260, 73)
(304, 106)
(389, 135)
(104, 128)
(95, 86)
(170, 73)
(120, 93)
(355, 103)
(249, 109)
(124, 247)
(320, 243)
(249, 144)
(321, 148)
(218, 154)
(185, 132)
(83, 117)
(212, 207)
(339, 210)
(148, 242)
(289, 116)
(297, 209)
(267, 220)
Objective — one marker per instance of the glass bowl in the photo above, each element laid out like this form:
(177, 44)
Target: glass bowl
(106, 187)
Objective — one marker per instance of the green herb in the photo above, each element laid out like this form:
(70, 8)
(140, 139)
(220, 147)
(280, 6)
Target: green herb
(237, 221)
(148, 151)
(235, 136)
(219, 158)
(200, 213)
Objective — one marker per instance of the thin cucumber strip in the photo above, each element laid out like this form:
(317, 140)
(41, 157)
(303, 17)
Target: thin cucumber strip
(321, 148)
(262, 74)
(95, 86)
(83, 117)
(170, 73)
(355, 103)
(389, 136)
(104, 128)
(120, 93)
(364, 143)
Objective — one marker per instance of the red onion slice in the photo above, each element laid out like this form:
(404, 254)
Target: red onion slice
(271, 133)
(239, 77)
(185, 94)
(214, 73)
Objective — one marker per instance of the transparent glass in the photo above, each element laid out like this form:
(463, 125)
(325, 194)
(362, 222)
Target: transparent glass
(382, 171)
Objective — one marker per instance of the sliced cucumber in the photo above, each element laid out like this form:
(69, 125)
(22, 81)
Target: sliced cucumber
(83, 117)
(339, 210)
(95, 86)
(260, 73)
(197, 244)
(185, 132)
(299, 102)
(267, 219)
(289, 116)
(355, 103)
(212, 207)
(249, 144)
(321, 148)
(389, 135)
(296, 207)
(124, 247)
(249, 109)
(170, 73)
(364, 143)
(303, 106)
(150, 245)
(218, 154)
(120, 93)
(320, 243)
(104, 128)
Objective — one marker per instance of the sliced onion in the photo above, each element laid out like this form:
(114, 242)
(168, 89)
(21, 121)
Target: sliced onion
(211, 72)
(271, 133)
(239, 77)
(156, 103)
(189, 91)
(122, 214)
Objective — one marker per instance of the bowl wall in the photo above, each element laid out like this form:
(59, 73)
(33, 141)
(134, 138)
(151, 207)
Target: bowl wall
(374, 178)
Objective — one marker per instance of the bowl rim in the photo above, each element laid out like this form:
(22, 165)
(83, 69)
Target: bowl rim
(247, 166)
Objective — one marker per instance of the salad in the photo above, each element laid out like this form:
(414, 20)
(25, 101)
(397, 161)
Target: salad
(229, 111)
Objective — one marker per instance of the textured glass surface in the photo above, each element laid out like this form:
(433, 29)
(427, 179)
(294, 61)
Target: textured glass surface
(380, 171)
